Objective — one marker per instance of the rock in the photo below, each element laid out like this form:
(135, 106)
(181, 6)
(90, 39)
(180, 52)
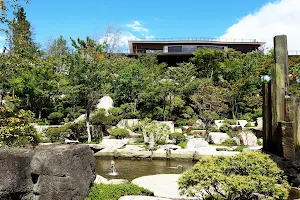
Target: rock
(217, 137)
(237, 140)
(182, 154)
(171, 141)
(95, 147)
(15, 174)
(170, 146)
(117, 181)
(235, 127)
(112, 144)
(128, 123)
(105, 102)
(247, 138)
(100, 180)
(123, 153)
(79, 119)
(242, 123)
(219, 123)
(162, 185)
(198, 123)
(50, 172)
(199, 132)
(187, 128)
(141, 198)
(253, 124)
(250, 149)
(195, 143)
(67, 141)
(178, 130)
(41, 128)
(134, 148)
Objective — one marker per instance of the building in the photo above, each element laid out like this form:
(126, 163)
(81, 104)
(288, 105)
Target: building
(181, 49)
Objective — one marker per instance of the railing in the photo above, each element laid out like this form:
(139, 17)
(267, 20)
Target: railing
(195, 39)
(294, 52)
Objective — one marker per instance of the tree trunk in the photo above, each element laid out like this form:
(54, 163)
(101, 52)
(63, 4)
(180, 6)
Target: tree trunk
(40, 114)
(87, 121)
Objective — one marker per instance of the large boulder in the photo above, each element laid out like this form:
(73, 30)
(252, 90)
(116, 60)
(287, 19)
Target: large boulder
(199, 123)
(217, 137)
(105, 102)
(196, 143)
(15, 174)
(247, 138)
(112, 144)
(49, 172)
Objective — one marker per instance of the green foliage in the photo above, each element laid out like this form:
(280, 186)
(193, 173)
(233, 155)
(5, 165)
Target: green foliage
(224, 128)
(101, 118)
(240, 148)
(248, 124)
(259, 142)
(179, 137)
(74, 131)
(114, 192)
(15, 128)
(183, 144)
(159, 131)
(237, 177)
(230, 121)
(229, 142)
(55, 117)
(119, 133)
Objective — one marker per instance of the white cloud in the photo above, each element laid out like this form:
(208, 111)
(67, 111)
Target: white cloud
(274, 18)
(118, 41)
(1, 50)
(137, 27)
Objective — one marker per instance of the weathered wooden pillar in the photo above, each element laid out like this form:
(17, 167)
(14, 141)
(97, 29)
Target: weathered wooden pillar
(278, 88)
(297, 122)
(286, 146)
(267, 116)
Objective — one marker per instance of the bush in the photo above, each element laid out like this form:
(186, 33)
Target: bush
(178, 137)
(119, 133)
(15, 127)
(248, 125)
(55, 117)
(237, 177)
(240, 148)
(229, 142)
(114, 192)
(182, 144)
(230, 121)
(224, 128)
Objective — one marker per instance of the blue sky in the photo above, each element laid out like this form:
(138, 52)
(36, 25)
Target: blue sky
(156, 18)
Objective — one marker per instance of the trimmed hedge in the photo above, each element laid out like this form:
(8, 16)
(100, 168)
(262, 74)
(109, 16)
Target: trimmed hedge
(114, 192)
(119, 133)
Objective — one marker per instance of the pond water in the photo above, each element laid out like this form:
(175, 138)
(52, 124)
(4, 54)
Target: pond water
(131, 169)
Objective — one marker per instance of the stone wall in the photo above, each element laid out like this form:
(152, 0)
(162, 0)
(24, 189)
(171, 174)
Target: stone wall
(47, 172)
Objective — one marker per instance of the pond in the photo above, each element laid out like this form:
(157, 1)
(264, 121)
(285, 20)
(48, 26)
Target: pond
(131, 169)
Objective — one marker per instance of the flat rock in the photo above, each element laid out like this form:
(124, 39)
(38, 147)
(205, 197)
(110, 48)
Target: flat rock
(170, 146)
(117, 181)
(134, 148)
(162, 185)
(199, 132)
(196, 143)
(113, 144)
(100, 180)
(141, 198)
(123, 153)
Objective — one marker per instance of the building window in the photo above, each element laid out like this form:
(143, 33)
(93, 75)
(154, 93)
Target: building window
(211, 47)
(175, 49)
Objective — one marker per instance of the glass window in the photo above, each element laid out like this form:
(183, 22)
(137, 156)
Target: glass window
(175, 49)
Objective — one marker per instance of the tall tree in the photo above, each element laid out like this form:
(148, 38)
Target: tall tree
(20, 35)
(58, 48)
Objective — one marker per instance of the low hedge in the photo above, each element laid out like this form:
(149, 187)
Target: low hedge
(114, 192)
(119, 133)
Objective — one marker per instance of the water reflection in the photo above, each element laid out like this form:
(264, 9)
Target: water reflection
(131, 169)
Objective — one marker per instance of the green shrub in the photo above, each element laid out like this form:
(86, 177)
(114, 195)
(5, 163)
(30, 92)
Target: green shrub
(237, 177)
(233, 134)
(119, 133)
(182, 144)
(229, 142)
(114, 192)
(56, 117)
(230, 121)
(116, 111)
(240, 148)
(15, 127)
(139, 140)
(248, 125)
(178, 137)
(224, 128)
(259, 142)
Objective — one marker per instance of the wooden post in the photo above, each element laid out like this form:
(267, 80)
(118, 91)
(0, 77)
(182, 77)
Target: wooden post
(286, 145)
(278, 88)
(267, 116)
